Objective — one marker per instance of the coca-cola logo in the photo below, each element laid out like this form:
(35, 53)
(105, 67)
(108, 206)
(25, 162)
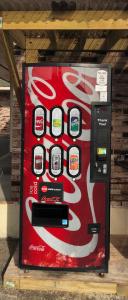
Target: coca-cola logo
(44, 189)
(39, 120)
(50, 199)
(38, 248)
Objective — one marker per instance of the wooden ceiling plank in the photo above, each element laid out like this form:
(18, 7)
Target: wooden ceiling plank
(78, 20)
(112, 43)
(111, 39)
(70, 44)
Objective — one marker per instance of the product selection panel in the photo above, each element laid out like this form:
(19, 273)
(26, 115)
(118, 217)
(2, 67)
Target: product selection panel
(56, 153)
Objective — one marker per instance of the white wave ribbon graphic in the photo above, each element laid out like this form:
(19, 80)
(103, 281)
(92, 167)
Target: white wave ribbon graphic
(31, 83)
(73, 88)
(59, 245)
(71, 250)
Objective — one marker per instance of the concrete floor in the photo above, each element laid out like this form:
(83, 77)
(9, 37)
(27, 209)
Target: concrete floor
(7, 247)
(25, 295)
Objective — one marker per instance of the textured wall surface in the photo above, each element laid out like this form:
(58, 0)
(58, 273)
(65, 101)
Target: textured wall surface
(4, 114)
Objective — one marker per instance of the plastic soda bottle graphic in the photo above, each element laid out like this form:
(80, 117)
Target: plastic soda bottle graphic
(74, 162)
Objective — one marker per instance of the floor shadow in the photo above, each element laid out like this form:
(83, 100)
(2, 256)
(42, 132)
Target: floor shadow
(120, 242)
(5, 177)
(7, 249)
(5, 168)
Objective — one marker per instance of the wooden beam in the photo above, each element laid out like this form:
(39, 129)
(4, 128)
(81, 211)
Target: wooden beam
(79, 46)
(111, 40)
(19, 37)
(75, 20)
(11, 62)
(52, 37)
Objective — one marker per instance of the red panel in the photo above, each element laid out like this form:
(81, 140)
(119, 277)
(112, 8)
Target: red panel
(70, 247)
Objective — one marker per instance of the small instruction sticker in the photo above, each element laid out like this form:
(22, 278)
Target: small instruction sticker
(101, 88)
(64, 222)
(102, 77)
(103, 96)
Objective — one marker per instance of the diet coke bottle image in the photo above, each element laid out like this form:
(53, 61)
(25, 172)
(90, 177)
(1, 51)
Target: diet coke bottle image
(38, 160)
(55, 160)
(39, 121)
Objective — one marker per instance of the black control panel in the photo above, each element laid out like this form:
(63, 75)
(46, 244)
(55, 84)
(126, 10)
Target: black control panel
(100, 142)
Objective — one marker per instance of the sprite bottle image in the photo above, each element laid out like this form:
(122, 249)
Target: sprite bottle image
(74, 123)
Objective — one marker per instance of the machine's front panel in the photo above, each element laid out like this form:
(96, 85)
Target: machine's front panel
(64, 188)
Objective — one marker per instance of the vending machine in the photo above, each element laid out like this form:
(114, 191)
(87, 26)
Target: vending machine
(65, 171)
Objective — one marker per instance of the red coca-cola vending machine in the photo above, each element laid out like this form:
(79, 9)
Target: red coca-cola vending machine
(65, 167)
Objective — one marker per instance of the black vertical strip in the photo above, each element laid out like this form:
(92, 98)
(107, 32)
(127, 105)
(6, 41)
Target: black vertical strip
(108, 185)
(22, 163)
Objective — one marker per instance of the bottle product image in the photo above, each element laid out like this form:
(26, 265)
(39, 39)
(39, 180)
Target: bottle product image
(39, 120)
(39, 123)
(56, 128)
(38, 160)
(74, 122)
(74, 162)
(56, 162)
(55, 158)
